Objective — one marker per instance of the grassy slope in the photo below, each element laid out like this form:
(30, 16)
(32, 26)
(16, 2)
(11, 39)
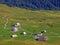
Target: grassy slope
(33, 21)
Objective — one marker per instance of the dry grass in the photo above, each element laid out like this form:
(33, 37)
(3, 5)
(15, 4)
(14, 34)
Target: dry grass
(26, 42)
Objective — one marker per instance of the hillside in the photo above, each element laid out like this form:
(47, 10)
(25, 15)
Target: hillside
(31, 21)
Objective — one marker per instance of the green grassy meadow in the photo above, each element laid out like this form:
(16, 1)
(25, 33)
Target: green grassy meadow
(31, 21)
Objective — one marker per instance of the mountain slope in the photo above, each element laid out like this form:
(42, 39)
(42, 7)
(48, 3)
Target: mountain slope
(32, 22)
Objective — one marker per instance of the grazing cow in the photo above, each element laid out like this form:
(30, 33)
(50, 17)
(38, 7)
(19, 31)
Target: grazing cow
(44, 31)
(14, 36)
(15, 27)
(41, 38)
(17, 24)
(24, 33)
